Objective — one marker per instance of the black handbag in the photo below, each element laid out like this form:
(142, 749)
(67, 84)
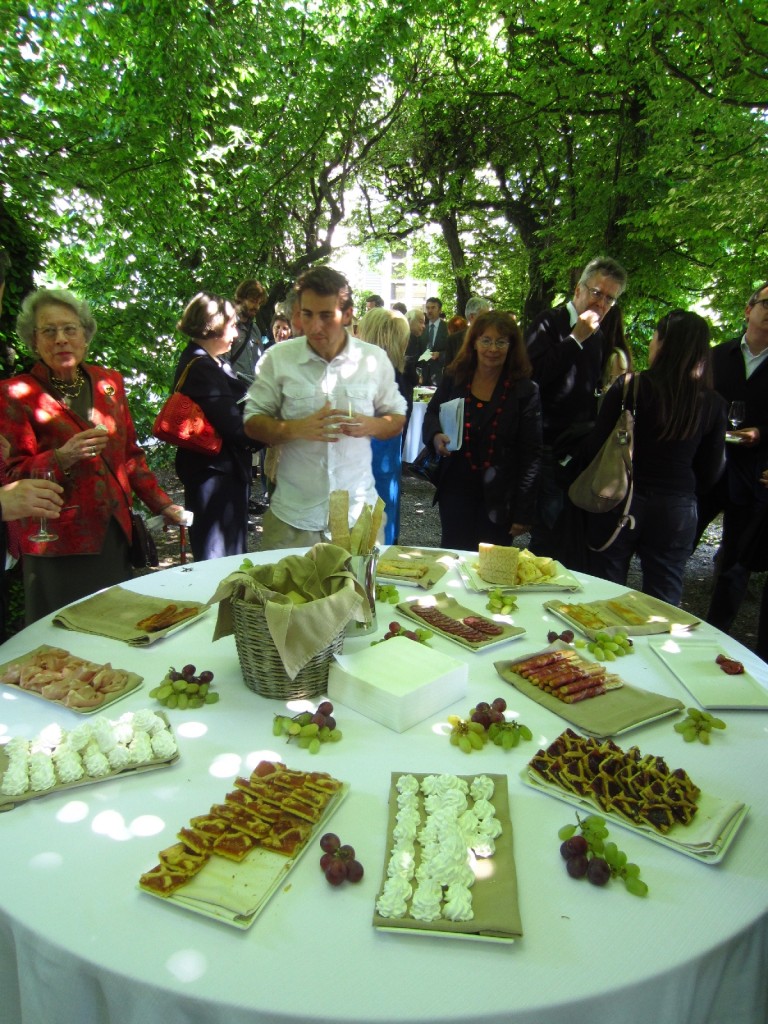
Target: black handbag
(143, 547)
(428, 465)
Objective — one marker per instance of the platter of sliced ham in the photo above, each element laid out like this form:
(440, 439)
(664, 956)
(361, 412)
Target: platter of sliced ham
(55, 675)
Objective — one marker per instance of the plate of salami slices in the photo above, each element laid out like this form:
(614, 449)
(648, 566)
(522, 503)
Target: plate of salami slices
(444, 615)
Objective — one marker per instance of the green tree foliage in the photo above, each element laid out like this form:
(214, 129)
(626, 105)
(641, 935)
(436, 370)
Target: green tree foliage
(150, 148)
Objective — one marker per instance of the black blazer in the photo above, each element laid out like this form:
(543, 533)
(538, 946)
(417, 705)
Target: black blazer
(744, 464)
(567, 373)
(433, 370)
(219, 393)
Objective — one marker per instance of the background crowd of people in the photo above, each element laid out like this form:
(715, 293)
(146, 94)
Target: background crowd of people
(312, 401)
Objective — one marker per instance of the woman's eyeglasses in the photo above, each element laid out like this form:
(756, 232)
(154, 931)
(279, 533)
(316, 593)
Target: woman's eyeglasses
(69, 331)
(493, 342)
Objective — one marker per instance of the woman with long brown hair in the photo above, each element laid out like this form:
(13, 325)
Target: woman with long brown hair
(486, 490)
(679, 452)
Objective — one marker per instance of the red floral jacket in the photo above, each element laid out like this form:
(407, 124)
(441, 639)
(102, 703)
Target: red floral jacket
(36, 423)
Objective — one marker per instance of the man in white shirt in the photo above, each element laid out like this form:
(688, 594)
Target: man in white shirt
(321, 397)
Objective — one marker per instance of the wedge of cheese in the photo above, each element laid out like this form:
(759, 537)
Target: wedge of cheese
(498, 564)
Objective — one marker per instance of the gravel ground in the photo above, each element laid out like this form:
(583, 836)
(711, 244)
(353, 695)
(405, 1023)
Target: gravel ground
(420, 525)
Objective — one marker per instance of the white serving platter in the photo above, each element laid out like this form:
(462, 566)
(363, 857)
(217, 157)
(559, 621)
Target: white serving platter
(693, 663)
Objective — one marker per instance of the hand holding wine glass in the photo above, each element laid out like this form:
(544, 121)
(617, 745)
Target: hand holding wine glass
(43, 535)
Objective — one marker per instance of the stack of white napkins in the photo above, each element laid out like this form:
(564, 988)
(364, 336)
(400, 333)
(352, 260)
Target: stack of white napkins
(397, 683)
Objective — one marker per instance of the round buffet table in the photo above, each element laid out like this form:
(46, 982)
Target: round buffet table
(79, 942)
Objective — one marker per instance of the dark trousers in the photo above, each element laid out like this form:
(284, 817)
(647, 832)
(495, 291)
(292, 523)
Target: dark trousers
(663, 539)
(732, 575)
(220, 504)
(464, 519)
(545, 535)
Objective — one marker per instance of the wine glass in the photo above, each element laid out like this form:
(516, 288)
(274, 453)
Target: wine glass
(736, 414)
(43, 534)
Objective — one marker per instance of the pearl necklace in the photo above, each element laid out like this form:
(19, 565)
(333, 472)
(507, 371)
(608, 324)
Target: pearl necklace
(469, 403)
(70, 389)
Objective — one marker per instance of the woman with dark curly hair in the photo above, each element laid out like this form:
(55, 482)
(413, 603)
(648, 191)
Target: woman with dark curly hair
(486, 490)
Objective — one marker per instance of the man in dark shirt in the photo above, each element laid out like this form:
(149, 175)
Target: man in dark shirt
(741, 374)
(567, 349)
(248, 349)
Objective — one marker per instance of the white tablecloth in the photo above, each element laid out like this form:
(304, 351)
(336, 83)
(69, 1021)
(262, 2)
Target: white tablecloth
(80, 943)
(413, 443)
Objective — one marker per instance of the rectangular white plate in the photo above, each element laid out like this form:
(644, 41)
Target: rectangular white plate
(562, 581)
(452, 608)
(7, 803)
(680, 837)
(261, 874)
(693, 663)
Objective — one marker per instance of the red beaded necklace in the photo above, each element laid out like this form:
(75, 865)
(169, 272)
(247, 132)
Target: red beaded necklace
(473, 439)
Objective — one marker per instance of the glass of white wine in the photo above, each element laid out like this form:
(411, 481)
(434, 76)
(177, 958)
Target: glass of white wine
(736, 414)
(43, 535)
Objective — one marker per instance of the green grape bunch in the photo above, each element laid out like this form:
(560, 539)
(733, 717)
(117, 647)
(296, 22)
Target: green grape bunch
(588, 853)
(608, 646)
(487, 722)
(309, 729)
(387, 593)
(698, 725)
(185, 690)
(501, 602)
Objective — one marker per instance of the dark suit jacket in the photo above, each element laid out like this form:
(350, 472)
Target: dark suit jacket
(433, 370)
(568, 374)
(744, 464)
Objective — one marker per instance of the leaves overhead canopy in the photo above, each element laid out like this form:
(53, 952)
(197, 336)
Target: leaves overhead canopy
(150, 148)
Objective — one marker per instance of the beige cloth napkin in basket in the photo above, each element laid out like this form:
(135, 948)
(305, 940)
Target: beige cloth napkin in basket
(331, 595)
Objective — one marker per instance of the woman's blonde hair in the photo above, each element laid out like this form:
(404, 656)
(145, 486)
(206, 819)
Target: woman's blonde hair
(387, 329)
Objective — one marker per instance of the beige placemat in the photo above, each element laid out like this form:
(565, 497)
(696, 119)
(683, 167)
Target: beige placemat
(451, 607)
(634, 613)
(609, 714)
(438, 563)
(494, 894)
(116, 613)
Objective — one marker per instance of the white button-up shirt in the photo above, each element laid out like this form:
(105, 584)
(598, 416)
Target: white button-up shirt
(293, 381)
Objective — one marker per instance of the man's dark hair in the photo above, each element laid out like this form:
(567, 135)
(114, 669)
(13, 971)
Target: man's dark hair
(400, 307)
(752, 298)
(435, 299)
(326, 281)
(250, 289)
(377, 301)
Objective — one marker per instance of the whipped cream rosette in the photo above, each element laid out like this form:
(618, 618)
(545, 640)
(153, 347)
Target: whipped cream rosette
(98, 749)
(439, 826)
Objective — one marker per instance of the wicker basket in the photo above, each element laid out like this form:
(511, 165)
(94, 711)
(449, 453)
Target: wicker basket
(262, 665)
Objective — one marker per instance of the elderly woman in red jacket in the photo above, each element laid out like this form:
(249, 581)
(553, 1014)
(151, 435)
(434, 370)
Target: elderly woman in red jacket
(71, 419)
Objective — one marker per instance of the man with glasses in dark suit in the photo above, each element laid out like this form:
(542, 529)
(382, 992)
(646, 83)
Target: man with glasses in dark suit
(567, 349)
